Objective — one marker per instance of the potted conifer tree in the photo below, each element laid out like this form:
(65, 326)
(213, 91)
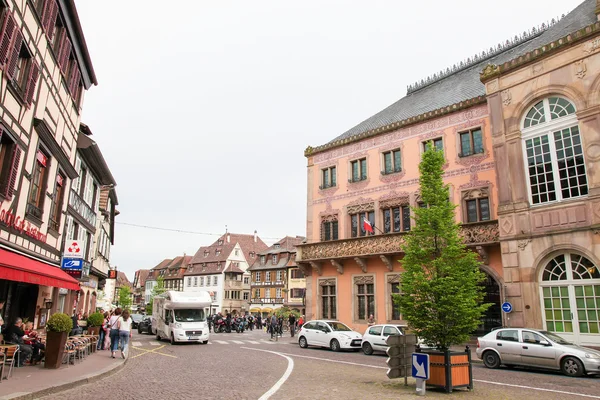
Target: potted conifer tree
(58, 327)
(441, 296)
(94, 322)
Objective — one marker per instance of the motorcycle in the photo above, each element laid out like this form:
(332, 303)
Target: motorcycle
(220, 326)
(237, 324)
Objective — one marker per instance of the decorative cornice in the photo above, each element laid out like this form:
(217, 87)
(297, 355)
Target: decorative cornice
(492, 71)
(311, 151)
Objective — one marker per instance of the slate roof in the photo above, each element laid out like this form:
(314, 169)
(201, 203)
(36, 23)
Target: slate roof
(208, 269)
(154, 272)
(465, 83)
(284, 248)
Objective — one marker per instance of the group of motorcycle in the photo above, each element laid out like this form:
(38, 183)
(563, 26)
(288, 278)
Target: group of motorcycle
(220, 324)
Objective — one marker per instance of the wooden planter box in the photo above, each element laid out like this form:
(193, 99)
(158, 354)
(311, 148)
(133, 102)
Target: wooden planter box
(55, 348)
(450, 370)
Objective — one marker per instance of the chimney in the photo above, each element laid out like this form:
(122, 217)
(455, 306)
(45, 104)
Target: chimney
(228, 238)
(255, 230)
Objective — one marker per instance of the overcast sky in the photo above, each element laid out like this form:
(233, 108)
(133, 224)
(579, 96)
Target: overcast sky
(203, 109)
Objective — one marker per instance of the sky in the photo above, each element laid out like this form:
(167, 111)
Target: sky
(203, 109)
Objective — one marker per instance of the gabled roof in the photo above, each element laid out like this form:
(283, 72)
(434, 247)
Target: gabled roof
(122, 279)
(177, 268)
(154, 271)
(284, 249)
(211, 268)
(225, 245)
(463, 83)
(140, 277)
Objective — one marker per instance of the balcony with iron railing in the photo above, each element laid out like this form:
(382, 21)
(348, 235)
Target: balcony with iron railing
(82, 208)
(475, 234)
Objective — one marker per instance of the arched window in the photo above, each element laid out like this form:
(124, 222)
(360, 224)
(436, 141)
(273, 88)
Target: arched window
(570, 296)
(553, 151)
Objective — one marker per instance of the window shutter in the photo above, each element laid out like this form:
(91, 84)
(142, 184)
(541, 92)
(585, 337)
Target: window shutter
(70, 228)
(8, 31)
(75, 185)
(49, 17)
(34, 72)
(74, 79)
(64, 53)
(13, 59)
(14, 169)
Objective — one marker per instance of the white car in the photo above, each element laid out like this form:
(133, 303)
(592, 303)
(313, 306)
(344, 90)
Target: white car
(332, 334)
(376, 335)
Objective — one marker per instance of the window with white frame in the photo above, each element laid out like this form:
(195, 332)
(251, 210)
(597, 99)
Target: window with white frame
(278, 293)
(275, 258)
(215, 280)
(195, 281)
(268, 276)
(202, 281)
(246, 295)
(553, 152)
(257, 276)
(189, 281)
(279, 276)
(246, 280)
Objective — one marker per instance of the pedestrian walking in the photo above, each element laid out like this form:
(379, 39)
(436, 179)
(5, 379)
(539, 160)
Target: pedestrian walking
(300, 322)
(124, 332)
(114, 331)
(292, 321)
(273, 325)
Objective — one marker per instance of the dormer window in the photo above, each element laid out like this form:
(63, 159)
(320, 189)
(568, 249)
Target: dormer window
(263, 259)
(205, 253)
(252, 254)
(277, 245)
(218, 265)
(220, 242)
(217, 252)
(274, 258)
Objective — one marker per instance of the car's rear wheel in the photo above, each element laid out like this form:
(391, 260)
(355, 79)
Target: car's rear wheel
(491, 359)
(367, 348)
(571, 366)
(302, 342)
(334, 345)
(172, 338)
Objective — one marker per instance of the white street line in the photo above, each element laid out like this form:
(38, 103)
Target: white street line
(154, 343)
(238, 342)
(252, 342)
(540, 389)
(208, 342)
(281, 380)
(334, 361)
(221, 341)
(136, 344)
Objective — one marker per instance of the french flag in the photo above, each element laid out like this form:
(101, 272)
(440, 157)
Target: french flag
(367, 226)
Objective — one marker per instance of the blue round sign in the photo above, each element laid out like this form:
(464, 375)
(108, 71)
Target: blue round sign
(506, 307)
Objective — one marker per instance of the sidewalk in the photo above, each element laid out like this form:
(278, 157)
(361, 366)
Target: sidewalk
(32, 382)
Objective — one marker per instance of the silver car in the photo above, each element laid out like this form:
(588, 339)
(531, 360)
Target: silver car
(536, 348)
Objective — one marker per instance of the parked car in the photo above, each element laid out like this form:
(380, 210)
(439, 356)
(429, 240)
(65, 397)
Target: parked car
(332, 334)
(376, 335)
(536, 348)
(145, 325)
(135, 320)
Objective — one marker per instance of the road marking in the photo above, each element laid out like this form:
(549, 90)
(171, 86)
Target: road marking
(540, 389)
(154, 343)
(138, 344)
(238, 342)
(281, 380)
(221, 341)
(252, 342)
(154, 351)
(334, 361)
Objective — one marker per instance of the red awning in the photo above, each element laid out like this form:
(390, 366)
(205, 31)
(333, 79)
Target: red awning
(15, 267)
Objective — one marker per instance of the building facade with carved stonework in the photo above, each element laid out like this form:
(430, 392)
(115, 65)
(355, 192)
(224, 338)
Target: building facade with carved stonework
(529, 162)
(545, 112)
(45, 70)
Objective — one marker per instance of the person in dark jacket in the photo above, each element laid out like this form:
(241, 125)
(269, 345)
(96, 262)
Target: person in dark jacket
(292, 321)
(14, 334)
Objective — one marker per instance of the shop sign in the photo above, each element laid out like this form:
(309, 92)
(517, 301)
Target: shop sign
(73, 250)
(13, 221)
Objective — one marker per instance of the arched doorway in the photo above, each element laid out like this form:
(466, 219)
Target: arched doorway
(570, 298)
(492, 318)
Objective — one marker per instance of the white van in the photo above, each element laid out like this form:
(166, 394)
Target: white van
(181, 317)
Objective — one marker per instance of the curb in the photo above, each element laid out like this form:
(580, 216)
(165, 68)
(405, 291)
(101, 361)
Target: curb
(89, 378)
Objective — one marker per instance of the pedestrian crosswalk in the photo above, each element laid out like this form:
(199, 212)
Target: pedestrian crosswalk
(281, 341)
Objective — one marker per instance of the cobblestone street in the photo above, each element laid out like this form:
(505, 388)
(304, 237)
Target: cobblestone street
(249, 365)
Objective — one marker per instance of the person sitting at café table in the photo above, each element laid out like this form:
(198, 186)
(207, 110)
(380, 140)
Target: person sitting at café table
(14, 334)
(31, 338)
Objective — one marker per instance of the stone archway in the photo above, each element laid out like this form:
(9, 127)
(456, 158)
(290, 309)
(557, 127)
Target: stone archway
(492, 318)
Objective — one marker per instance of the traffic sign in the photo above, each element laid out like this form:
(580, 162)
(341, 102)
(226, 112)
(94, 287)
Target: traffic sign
(73, 249)
(507, 307)
(420, 365)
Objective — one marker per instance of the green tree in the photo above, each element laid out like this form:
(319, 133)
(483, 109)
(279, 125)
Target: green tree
(159, 288)
(125, 297)
(441, 296)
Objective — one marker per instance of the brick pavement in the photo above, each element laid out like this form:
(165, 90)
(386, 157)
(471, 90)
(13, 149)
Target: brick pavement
(32, 382)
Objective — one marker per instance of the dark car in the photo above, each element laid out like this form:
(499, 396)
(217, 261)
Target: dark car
(145, 325)
(135, 320)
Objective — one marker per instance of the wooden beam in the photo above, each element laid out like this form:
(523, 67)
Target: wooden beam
(316, 266)
(387, 261)
(338, 265)
(362, 262)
